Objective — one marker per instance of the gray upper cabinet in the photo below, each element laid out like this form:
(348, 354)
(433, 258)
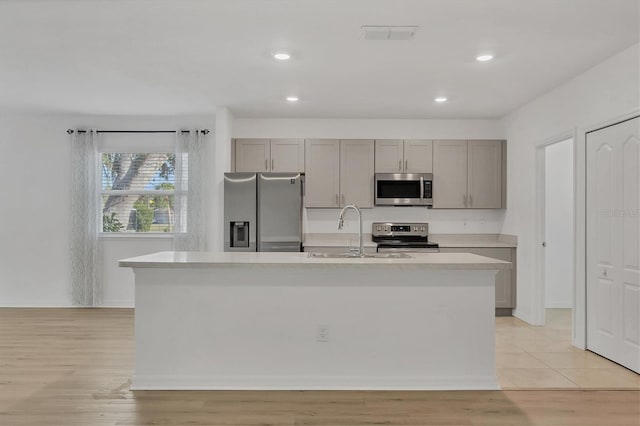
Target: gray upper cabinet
(484, 179)
(403, 156)
(252, 155)
(356, 172)
(322, 173)
(287, 155)
(339, 172)
(450, 174)
(418, 156)
(269, 155)
(468, 174)
(389, 156)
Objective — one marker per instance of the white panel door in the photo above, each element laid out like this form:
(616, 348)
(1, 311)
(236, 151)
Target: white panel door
(613, 243)
(252, 155)
(287, 155)
(389, 156)
(484, 181)
(322, 171)
(450, 174)
(356, 172)
(418, 156)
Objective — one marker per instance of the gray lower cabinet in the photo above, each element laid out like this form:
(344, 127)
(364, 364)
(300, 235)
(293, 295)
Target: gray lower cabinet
(505, 280)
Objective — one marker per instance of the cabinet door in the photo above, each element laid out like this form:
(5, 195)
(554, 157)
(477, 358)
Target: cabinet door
(356, 172)
(418, 156)
(450, 174)
(322, 171)
(252, 155)
(484, 182)
(389, 156)
(505, 280)
(287, 155)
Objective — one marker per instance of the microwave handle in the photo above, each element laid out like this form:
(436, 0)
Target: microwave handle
(421, 188)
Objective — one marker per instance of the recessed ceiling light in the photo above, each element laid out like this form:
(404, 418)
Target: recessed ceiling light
(484, 58)
(440, 99)
(292, 98)
(282, 56)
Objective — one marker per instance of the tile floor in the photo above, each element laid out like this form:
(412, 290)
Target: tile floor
(530, 357)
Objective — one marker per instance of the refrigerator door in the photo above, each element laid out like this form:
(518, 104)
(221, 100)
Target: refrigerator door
(280, 212)
(240, 224)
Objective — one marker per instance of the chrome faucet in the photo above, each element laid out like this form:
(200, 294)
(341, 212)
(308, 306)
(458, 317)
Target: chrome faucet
(360, 252)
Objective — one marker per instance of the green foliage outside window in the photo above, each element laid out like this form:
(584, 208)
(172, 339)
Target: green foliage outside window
(144, 214)
(111, 223)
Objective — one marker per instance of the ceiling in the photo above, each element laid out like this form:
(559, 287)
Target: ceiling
(179, 57)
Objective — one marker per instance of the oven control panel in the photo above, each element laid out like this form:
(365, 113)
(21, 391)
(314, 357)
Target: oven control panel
(395, 229)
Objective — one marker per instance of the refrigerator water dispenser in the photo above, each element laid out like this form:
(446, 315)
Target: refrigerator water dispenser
(239, 234)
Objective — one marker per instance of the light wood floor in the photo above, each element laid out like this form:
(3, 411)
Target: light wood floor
(73, 367)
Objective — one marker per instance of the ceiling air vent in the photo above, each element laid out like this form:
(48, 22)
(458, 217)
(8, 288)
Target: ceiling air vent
(389, 32)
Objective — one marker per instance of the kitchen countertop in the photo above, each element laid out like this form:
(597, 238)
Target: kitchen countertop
(474, 240)
(451, 261)
(444, 240)
(337, 240)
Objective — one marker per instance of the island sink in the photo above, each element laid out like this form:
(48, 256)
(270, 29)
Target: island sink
(355, 255)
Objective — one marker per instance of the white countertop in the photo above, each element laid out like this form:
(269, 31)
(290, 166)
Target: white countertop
(474, 240)
(443, 240)
(169, 259)
(337, 240)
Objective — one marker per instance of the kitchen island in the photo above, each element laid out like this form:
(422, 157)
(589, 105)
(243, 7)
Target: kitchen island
(290, 321)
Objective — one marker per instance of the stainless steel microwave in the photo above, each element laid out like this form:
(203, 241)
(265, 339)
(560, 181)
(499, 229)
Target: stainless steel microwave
(403, 189)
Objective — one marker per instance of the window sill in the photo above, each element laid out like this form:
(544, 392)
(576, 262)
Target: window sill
(135, 236)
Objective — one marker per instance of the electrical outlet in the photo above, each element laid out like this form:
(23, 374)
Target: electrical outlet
(322, 333)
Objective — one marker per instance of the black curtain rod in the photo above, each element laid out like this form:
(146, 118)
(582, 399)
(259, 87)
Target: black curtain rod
(70, 131)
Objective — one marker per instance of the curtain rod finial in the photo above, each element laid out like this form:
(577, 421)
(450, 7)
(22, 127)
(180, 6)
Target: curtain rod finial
(69, 131)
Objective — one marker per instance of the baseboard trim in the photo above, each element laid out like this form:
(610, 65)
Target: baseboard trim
(117, 304)
(173, 382)
(37, 304)
(521, 315)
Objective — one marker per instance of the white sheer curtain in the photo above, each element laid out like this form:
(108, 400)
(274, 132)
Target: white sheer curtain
(189, 192)
(86, 253)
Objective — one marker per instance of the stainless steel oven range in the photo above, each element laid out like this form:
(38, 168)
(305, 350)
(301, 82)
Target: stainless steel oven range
(404, 237)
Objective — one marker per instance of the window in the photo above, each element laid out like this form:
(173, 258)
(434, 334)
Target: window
(137, 191)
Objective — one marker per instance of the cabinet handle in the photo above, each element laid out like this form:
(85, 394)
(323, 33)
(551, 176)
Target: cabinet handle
(464, 199)
(272, 165)
(406, 165)
(337, 200)
(266, 164)
(399, 165)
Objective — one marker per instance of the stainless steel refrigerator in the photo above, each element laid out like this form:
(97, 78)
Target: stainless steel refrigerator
(263, 211)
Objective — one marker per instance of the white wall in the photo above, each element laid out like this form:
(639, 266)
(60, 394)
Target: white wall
(366, 128)
(606, 91)
(559, 225)
(441, 221)
(35, 207)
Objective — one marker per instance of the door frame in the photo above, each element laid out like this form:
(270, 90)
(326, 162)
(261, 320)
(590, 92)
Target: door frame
(538, 317)
(580, 273)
